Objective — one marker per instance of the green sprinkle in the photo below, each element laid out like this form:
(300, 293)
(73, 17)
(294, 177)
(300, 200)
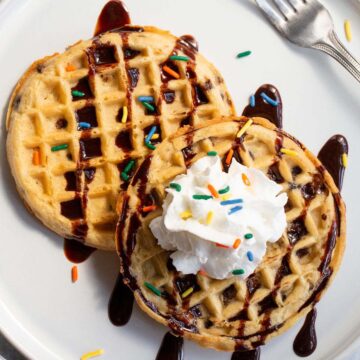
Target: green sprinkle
(124, 176)
(151, 287)
(148, 106)
(150, 146)
(212, 153)
(243, 54)
(238, 272)
(202, 197)
(224, 190)
(77, 93)
(59, 147)
(178, 57)
(175, 186)
(129, 166)
(248, 236)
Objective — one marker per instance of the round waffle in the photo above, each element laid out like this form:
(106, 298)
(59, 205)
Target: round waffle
(235, 313)
(70, 136)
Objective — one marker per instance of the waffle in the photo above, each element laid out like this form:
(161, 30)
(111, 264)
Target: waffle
(235, 313)
(73, 191)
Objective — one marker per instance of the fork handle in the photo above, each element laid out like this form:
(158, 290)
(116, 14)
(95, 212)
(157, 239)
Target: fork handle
(333, 47)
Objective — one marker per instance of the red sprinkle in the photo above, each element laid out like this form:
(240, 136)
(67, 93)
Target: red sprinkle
(74, 274)
(149, 208)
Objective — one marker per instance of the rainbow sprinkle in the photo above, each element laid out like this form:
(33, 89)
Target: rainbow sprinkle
(348, 33)
(146, 98)
(232, 202)
(178, 57)
(202, 272)
(269, 100)
(187, 214)
(344, 160)
(150, 146)
(229, 157)
(70, 67)
(212, 153)
(213, 191)
(150, 134)
(243, 54)
(187, 292)
(152, 288)
(59, 147)
(124, 114)
(224, 190)
(236, 244)
(155, 136)
(202, 197)
(77, 93)
(252, 100)
(84, 125)
(171, 72)
(92, 354)
(148, 106)
(125, 176)
(149, 208)
(245, 179)
(129, 166)
(250, 256)
(36, 159)
(244, 128)
(248, 236)
(209, 217)
(238, 272)
(225, 197)
(289, 152)
(234, 210)
(175, 186)
(74, 274)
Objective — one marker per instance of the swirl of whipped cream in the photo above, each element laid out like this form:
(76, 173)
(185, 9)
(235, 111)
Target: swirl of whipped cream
(204, 233)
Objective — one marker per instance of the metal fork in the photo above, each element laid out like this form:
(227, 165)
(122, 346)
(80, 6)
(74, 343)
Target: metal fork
(309, 24)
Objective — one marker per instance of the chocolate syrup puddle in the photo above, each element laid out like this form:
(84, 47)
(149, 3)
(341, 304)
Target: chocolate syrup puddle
(171, 348)
(306, 340)
(247, 355)
(114, 15)
(263, 109)
(120, 303)
(331, 157)
(77, 252)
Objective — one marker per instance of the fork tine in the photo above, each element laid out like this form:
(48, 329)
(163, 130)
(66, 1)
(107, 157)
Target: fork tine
(273, 16)
(296, 3)
(284, 7)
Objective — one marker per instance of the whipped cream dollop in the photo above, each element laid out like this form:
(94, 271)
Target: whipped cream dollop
(220, 222)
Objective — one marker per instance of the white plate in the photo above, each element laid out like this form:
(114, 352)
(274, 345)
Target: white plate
(45, 315)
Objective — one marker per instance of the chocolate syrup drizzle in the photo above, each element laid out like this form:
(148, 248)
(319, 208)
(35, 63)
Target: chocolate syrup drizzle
(171, 348)
(306, 340)
(263, 109)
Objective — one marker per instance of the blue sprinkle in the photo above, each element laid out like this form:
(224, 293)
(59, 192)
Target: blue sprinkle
(231, 202)
(252, 101)
(269, 100)
(150, 134)
(250, 256)
(146, 99)
(84, 125)
(234, 209)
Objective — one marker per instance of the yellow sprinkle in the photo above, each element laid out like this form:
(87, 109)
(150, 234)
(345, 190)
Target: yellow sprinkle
(225, 197)
(187, 292)
(344, 160)
(155, 136)
(209, 217)
(92, 354)
(187, 214)
(244, 128)
(348, 32)
(124, 115)
(289, 152)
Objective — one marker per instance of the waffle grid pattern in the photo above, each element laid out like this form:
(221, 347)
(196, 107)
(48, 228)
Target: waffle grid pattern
(235, 308)
(46, 98)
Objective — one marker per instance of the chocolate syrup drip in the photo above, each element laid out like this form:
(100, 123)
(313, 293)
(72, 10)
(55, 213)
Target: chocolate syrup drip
(275, 174)
(104, 54)
(90, 148)
(114, 15)
(296, 230)
(71, 182)
(263, 109)
(246, 355)
(133, 76)
(61, 124)
(87, 114)
(171, 348)
(120, 303)
(189, 42)
(169, 96)
(130, 53)
(84, 87)
(306, 341)
(331, 157)
(77, 252)
(123, 141)
(72, 209)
